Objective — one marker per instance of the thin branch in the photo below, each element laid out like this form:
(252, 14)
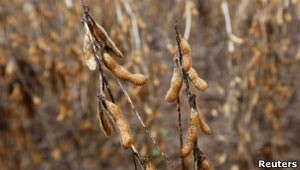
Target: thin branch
(188, 17)
(138, 157)
(143, 124)
(228, 26)
(83, 6)
(225, 10)
(118, 11)
(196, 156)
(134, 162)
(135, 30)
(180, 132)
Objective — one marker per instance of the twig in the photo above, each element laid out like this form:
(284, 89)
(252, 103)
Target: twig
(143, 124)
(83, 6)
(188, 17)
(180, 132)
(135, 30)
(134, 162)
(138, 156)
(228, 26)
(225, 10)
(118, 11)
(196, 156)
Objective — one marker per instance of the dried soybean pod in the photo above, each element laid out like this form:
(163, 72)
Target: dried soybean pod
(101, 35)
(192, 134)
(138, 79)
(203, 125)
(121, 124)
(110, 46)
(186, 58)
(88, 53)
(103, 121)
(199, 83)
(206, 165)
(121, 72)
(176, 84)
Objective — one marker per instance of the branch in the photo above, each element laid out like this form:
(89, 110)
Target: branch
(191, 96)
(118, 11)
(135, 30)
(188, 17)
(143, 124)
(228, 26)
(180, 132)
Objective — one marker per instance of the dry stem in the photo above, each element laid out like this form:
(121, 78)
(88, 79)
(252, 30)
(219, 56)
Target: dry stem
(191, 96)
(188, 17)
(180, 132)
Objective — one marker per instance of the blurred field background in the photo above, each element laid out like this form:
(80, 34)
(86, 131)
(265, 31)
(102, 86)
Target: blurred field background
(48, 94)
